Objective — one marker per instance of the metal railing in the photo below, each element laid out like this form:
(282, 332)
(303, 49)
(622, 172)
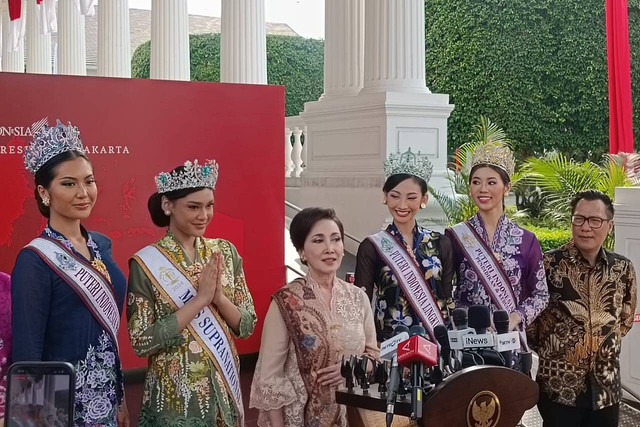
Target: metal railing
(298, 209)
(294, 270)
(632, 393)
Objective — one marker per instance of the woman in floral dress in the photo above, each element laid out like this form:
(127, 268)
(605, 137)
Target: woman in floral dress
(311, 324)
(516, 250)
(192, 379)
(405, 193)
(52, 318)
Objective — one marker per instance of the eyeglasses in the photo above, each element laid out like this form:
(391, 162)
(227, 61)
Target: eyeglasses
(594, 221)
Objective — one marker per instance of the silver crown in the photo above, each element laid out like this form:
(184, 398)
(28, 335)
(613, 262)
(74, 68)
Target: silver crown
(192, 175)
(48, 142)
(409, 163)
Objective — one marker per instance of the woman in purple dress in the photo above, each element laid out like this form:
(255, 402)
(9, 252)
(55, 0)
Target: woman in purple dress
(500, 263)
(5, 337)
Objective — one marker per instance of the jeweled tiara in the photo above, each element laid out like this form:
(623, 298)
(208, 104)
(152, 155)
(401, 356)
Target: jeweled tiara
(494, 154)
(192, 175)
(408, 163)
(48, 142)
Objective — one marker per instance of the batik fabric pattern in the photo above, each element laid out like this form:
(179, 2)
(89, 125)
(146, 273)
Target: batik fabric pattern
(303, 334)
(183, 386)
(519, 253)
(433, 255)
(578, 336)
(51, 323)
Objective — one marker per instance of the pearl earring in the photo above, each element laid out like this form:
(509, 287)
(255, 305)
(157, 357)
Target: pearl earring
(45, 201)
(167, 213)
(423, 205)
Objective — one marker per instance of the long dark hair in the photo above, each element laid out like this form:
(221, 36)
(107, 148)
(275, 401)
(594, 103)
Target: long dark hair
(44, 176)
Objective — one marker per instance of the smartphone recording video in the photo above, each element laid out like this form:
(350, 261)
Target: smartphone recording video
(40, 394)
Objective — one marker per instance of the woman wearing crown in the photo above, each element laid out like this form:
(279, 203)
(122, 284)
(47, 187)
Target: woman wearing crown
(489, 245)
(67, 293)
(187, 300)
(406, 269)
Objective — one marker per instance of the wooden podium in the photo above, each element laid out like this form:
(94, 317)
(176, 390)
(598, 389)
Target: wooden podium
(480, 396)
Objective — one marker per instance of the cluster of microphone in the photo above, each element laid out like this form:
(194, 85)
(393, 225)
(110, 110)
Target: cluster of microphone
(470, 342)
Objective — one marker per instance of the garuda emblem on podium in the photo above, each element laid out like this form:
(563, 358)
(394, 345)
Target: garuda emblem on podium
(483, 410)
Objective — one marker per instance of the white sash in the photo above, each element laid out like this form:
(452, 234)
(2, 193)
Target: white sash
(489, 271)
(91, 286)
(410, 279)
(205, 327)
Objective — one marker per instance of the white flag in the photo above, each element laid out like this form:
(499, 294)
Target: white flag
(48, 20)
(85, 7)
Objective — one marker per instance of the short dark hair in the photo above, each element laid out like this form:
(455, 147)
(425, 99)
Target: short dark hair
(503, 175)
(44, 176)
(593, 195)
(303, 222)
(394, 180)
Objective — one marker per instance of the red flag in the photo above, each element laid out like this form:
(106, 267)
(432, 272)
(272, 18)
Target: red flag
(15, 9)
(619, 62)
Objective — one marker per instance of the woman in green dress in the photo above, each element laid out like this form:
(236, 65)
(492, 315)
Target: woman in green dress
(187, 299)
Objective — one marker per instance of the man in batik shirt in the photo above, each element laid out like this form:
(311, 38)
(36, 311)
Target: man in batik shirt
(591, 307)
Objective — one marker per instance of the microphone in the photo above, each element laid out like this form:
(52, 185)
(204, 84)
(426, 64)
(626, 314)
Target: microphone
(461, 329)
(417, 352)
(459, 318)
(479, 318)
(389, 351)
(506, 342)
(442, 336)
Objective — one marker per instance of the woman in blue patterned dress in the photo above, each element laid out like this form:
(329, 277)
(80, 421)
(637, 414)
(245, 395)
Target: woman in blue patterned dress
(405, 193)
(53, 320)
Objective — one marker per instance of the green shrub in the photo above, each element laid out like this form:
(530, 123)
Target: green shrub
(294, 62)
(539, 68)
(549, 238)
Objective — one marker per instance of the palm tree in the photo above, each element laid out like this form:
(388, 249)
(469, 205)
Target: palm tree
(560, 178)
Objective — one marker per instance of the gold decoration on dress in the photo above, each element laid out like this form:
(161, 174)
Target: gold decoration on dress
(101, 267)
(483, 410)
(494, 154)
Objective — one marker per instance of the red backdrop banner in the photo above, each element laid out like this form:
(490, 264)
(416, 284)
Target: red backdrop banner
(134, 129)
(619, 63)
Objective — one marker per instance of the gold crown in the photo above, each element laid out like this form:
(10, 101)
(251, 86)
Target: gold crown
(494, 154)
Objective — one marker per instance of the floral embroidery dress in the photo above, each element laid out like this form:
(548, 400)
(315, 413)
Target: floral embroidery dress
(519, 253)
(51, 323)
(343, 327)
(182, 386)
(431, 251)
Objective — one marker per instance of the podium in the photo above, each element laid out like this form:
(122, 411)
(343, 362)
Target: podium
(479, 396)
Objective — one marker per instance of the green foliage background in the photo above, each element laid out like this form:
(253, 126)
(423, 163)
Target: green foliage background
(539, 68)
(294, 62)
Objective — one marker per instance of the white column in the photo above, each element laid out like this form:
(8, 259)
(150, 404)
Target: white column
(243, 42)
(114, 40)
(170, 40)
(394, 54)
(343, 47)
(72, 51)
(627, 233)
(12, 61)
(38, 44)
